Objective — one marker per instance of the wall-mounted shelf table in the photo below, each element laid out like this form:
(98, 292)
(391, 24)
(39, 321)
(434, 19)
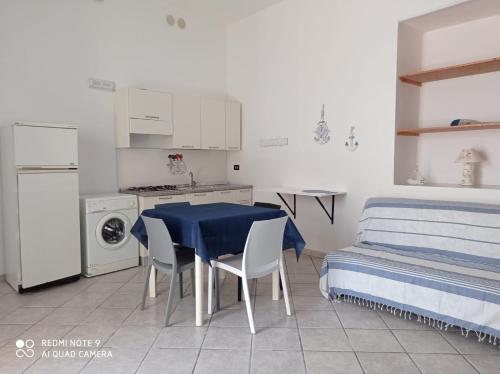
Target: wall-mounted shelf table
(316, 193)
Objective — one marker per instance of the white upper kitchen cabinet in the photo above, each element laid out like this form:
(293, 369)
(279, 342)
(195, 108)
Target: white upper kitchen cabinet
(213, 124)
(186, 122)
(233, 126)
(141, 114)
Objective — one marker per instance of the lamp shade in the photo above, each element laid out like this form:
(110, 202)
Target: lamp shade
(468, 156)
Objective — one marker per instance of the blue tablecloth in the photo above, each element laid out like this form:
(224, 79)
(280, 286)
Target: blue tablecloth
(215, 229)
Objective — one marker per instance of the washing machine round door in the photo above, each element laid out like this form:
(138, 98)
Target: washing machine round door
(113, 230)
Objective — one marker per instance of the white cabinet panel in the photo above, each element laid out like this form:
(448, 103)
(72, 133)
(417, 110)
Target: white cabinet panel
(144, 126)
(186, 122)
(228, 196)
(213, 124)
(244, 196)
(150, 105)
(150, 202)
(202, 198)
(233, 126)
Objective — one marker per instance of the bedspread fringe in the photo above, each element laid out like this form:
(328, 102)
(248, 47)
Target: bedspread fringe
(481, 336)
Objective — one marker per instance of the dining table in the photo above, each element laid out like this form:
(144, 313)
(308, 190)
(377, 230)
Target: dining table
(214, 230)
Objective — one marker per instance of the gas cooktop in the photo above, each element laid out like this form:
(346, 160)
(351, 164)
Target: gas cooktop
(165, 187)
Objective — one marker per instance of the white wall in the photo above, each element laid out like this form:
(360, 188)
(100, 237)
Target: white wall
(48, 50)
(475, 97)
(286, 61)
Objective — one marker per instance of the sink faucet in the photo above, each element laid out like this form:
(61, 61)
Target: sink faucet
(193, 182)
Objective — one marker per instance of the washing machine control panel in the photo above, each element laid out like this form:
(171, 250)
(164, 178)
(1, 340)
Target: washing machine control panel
(127, 202)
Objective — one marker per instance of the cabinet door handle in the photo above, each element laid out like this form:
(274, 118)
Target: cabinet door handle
(152, 117)
(232, 147)
(213, 147)
(226, 192)
(187, 146)
(200, 194)
(165, 198)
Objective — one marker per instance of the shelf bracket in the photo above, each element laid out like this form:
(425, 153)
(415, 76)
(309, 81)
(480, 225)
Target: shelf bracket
(331, 214)
(294, 210)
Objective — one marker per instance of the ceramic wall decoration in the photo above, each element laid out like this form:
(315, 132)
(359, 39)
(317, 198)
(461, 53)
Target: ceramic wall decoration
(351, 142)
(468, 157)
(322, 131)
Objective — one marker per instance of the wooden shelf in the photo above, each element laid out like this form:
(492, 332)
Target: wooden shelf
(471, 68)
(430, 130)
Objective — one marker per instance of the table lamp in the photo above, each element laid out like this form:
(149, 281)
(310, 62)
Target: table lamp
(468, 157)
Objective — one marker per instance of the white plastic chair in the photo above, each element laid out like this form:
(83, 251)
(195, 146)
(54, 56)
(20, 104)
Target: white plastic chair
(163, 257)
(263, 255)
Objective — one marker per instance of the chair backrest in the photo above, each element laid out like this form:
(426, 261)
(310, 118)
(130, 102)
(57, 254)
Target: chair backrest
(264, 246)
(266, 205)
(160, 245)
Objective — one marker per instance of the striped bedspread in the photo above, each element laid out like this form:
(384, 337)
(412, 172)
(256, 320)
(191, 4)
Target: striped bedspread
(438, 260)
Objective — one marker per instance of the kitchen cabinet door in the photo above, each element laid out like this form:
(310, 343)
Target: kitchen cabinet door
(228, 196)
(201, 198)
(150, 202)
(233, 126)
(213, 124)
(187, 122)
(150, 105)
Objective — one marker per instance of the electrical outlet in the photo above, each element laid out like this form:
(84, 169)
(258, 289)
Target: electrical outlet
(236, 167)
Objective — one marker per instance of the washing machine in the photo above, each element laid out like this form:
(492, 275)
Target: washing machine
(107, 244)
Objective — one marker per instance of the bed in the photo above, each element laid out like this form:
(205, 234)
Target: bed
(436, 261)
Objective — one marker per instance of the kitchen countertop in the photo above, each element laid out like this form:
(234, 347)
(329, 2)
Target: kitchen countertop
(188, 190)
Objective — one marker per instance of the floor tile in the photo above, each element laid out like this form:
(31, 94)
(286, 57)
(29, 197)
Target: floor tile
(303, 278)
(222, 362)
(53, 297)
(11, 302)
(8, 333)
(486, 364)
(181, 337)
(267, 303)
(387, 363)
(25, 315)
(171, 361)
(107, 316)
(373, 341)
(10, 364)
(442, 364)
(320, 319)
(304, 289)
(273, 318)
(470, 344)
(67, 316)
(238, 338)
(350, 307)
(86, 299)
(123, 300)
(423, 342)
(58, 365)
(324, 340)
(332, 362)
(311, 303)
(122, 362)
(277, 362)
(361, 320)
(230, 318)
(118, 276)
(153, 315)
(277, 339)
(98, 334)
(398, 323)
(132, 337)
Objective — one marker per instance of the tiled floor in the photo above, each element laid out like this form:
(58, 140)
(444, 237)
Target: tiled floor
(319, 337)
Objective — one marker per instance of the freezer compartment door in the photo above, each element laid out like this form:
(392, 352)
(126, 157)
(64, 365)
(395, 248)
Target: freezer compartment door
(49, 226)
(45, 146)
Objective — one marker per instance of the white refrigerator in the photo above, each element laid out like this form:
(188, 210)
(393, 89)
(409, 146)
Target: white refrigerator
(41, 227)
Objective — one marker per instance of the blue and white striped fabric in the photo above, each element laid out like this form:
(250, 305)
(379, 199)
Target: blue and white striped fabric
(439, 260)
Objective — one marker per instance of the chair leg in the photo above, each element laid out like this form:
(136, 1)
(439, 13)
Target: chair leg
(239, 289)
(246, 292)
(146, 285)
(180, 285)
(170, 296)
(217, 289)
(285, 288)
(210, 287)
(192, 282)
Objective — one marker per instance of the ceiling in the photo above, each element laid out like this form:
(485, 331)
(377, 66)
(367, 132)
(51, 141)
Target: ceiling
(227, 10)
